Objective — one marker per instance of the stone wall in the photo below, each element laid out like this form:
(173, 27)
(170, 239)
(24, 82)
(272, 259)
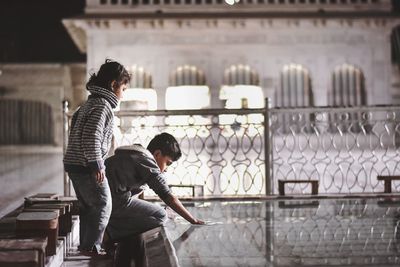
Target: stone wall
(46, 83)
(266, 45)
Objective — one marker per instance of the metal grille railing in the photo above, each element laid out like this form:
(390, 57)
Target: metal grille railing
(225, 150)
(344, 152)
(226, 159)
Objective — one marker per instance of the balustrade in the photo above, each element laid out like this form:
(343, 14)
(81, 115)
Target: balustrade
(344, 153)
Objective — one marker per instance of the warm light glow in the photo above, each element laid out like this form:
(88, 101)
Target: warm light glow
(241, 96)
(135, 99)
(146, 98)
(234, 96)
(231, 2)
(187, 97)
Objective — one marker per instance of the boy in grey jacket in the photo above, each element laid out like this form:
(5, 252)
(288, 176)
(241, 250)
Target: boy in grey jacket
(128, 171)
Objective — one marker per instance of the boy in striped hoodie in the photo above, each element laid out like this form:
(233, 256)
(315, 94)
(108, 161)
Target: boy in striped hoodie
(88, 144)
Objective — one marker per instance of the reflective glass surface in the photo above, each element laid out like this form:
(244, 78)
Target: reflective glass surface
(314, 232)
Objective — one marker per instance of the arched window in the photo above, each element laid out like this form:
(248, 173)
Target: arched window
(139, 96)
(348, 87)
(188, 89)
(294, 91)
(241, 89)
(395, 44)
(295, 87)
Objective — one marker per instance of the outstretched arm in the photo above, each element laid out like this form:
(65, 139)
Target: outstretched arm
(173, 202)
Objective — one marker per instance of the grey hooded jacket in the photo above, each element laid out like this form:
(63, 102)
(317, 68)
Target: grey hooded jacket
(130, 169)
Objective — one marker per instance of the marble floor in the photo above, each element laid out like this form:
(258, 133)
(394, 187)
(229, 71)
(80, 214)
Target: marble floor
(324, 232)
(28, 170)
(87, 263)
(314, 232)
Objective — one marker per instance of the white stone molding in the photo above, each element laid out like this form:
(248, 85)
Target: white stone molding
(80, 28)
(219, 6)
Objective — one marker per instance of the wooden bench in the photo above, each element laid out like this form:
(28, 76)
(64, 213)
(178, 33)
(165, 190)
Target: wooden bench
(8, 226)
(15, 258)
(314, 185)
(39, 224)
(388, 181)
(67, 206)
(63, 210)
(34, 244)
(45, 195)
(72, 201)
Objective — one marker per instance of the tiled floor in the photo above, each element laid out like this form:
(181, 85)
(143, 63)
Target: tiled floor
(324, 232)
(27, 171)
(87, 263)
(340, 232)
(74, 260)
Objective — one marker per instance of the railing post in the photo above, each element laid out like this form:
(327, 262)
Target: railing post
(267, 149)
(67, 186)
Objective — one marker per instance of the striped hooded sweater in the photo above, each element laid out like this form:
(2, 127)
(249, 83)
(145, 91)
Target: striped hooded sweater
(91, 132)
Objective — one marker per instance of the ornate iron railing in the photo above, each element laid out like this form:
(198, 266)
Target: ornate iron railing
(224, 151)
(344, 148)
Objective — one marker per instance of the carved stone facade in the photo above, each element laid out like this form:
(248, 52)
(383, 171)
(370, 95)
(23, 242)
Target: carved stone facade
(212, 42)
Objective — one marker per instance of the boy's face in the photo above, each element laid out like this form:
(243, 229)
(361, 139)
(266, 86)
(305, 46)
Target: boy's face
(162, 161)
(118, 90)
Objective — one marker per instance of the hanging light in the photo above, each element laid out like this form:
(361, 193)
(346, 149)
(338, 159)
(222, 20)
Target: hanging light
(231, 2)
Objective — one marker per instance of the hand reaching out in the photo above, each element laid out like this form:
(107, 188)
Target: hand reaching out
(197, 221)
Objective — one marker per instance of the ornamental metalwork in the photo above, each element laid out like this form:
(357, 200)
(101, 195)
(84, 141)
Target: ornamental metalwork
(344, 148)
(225, 159)
(226, 153)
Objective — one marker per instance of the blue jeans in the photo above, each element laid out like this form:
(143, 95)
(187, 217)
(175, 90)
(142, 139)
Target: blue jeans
(95, 206)
(134, 216)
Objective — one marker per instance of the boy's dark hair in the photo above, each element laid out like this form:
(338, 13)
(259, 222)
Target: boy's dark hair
(167, 144)
(110, 71)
